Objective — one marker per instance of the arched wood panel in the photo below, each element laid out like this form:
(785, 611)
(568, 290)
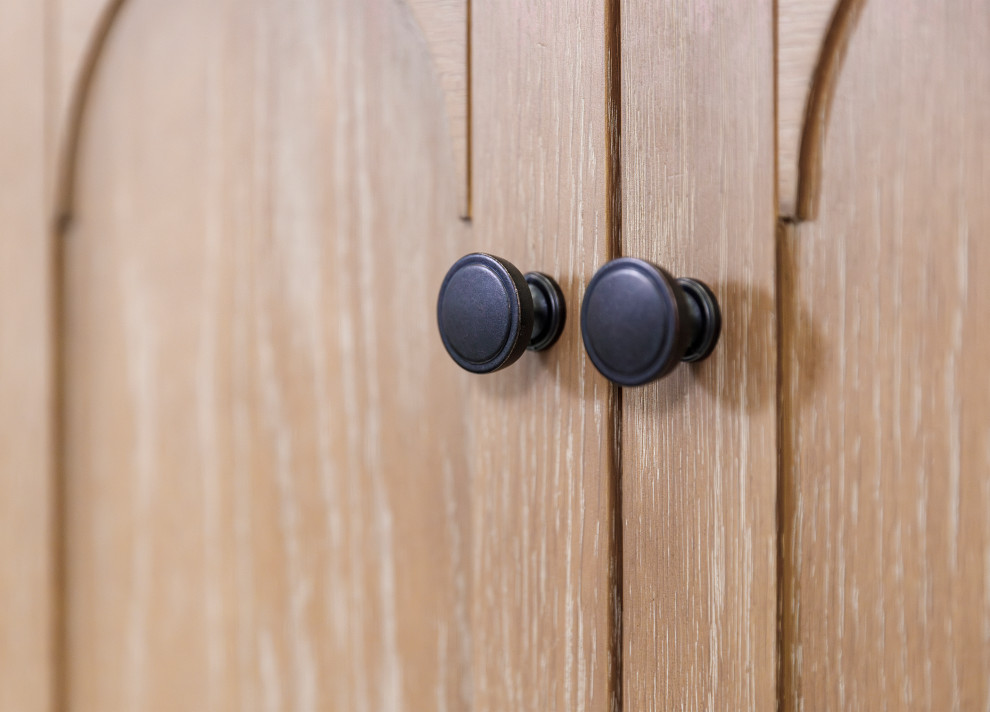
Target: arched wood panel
(885, 397)
(267, 483)
(812, 36)
(280, 492)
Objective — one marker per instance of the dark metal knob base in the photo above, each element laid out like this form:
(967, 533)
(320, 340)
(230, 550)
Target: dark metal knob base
(638, 322)
(549, 310)
(706, 317)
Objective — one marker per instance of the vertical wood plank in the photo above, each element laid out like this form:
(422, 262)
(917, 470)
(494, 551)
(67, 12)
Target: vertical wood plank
(699, 456)
(885, 394)
(266, 454)
(446, 26)
(544, 556)
(272, 466)
(26, 524)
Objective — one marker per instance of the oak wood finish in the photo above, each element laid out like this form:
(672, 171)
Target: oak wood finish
(79, 31)
(26, 491)
(699, 447)
(544, 552)
(445, 26)
(281, 492)
(271, 504)
(265, 455)
(885, 400)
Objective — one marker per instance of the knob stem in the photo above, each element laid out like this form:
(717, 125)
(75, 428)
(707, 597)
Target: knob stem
(540, 311)
(548, 310)
(704, 319)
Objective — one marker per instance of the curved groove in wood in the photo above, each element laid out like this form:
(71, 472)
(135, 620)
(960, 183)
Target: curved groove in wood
(65, 173)
(66, 166)
(819, 105)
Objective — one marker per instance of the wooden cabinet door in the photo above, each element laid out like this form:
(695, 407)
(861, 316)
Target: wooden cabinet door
(885, 394)
(238, 471)
(272, 488)
(699, 447)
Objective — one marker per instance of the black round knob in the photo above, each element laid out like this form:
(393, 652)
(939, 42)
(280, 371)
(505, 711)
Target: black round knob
(638, 322)
(489, 313)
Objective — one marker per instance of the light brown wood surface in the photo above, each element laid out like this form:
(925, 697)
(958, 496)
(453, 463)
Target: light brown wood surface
(543, 557)
(267, 483)
(26, 491)
(699, 447)
(885, 394)
(281, 493)
(445, 27)
(238, 471)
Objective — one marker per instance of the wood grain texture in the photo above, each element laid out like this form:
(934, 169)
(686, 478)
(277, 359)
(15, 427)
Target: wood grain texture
(26, 522)
(699, 456)
(543, 558)
(885, 398)
(282, 493)
(80, 29)
(266, 453)
(445, 26)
